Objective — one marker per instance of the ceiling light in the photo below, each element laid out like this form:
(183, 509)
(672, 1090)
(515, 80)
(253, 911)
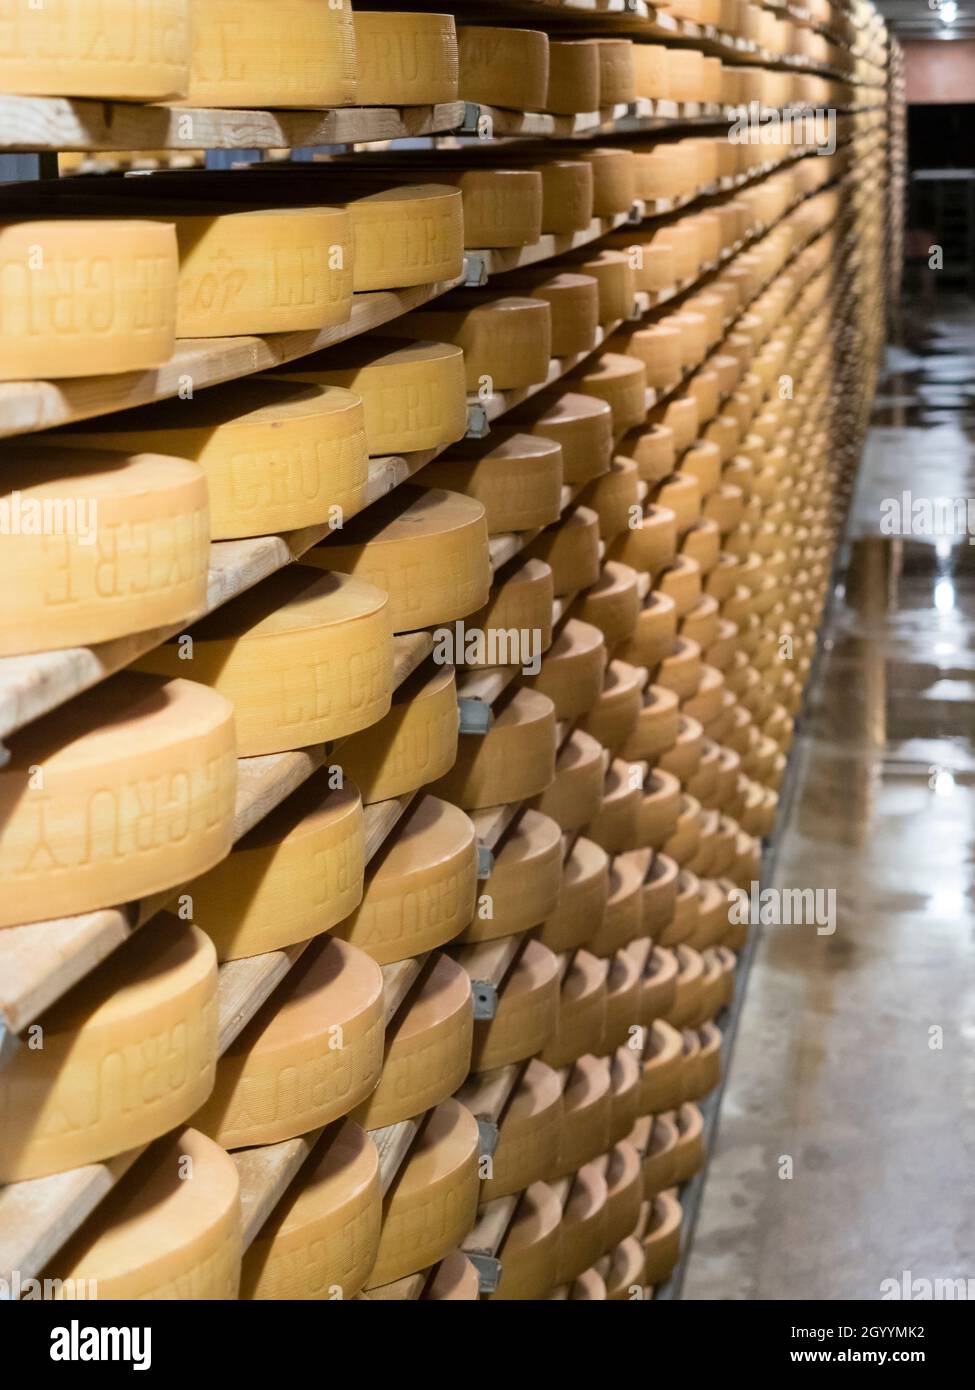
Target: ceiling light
(948, 11)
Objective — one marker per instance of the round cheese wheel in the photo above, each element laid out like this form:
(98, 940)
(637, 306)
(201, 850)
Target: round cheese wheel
(413, 394)
(582, 901)
(589, 1287)
(661, 1244)
(573, 76)
(277, 456)
(623, 918)
(576, 794)
(567, 195)
(123, 50)
(527, 1012)
(304, 657)
(428, 1047)
(614, 179)
(514, 760)
(410, 234)
(681, 579)
(405, 59)
(655, 632)
(689, 1156)
(657, 726)
(614, 497)
(503, 67)
(309, 1055)
(617, 83)
(506, 339)
(652, 256)
(571, 549)
(622, 1001)
(98, 546)
(651, 546)
(572, 669)
(455, 1280)
(659, 1157)
(294, 875)
(582, 1011)
(302, 54)
(516, 477)
(681, 494)
(702, 624)
(320, 1241)
(619, 381)
(653, 451)
(587, 1102)
(422, 891)
(624, 1100)
(126, 791)
(625, 1273)
(680, 672)
(583, 1231)
(624, 1185)
(431, 1206)
(614, 278)
(690, 996)
(502, 207)
(687, 903)
(651, 68)
(529, 1134)
(170, 1230)
(83, 297)
(615, 828)
(529, 1253)
(659, 809)
(524, 884)
(414, 744)
(660, 890)
(614, 716)
(684, 757)
(582, 425)
(573, 302)
(613, 603)
(96, 1087)
(658, 348)
(428, 549)
(661, 1086)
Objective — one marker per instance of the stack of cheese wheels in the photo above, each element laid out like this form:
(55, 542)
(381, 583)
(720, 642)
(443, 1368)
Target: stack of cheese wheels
(506, 339)
(517, 478)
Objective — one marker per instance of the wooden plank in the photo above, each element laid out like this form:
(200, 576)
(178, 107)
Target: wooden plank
(393, 1143)
(398, 979)
(493, 1219)
(265, 1174)
(486, 1094)
(61, 123)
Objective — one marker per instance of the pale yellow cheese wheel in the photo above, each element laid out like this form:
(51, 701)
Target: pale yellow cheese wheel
(170, 1230)
(617, 84)
(583, 1232)
(613, 179)
(503, 66)
(426, 548)
(614, 497)
(529, 1134)
(650, 546)
(658, 348)
(621, 382)
(613, 603)
(97, 546)
(527, 1012)
(571, 548)
(521, 597)
(582, 1011)
(414, 394)
(421, 893)
(431, 1206)
(653, 450)
(587, 1107)
(320, 1241)
(530, 1250)
(625, 1272)
(576, 794)
(659, 985)
(304, 657)
(614, 278)
(613, 718)
(572, 669)
(428, 1047)
(514, 760)
(277, 456)
(662, 1241)
(662, 885)
(516, 477)
(506, 339)
(655, 631)
(126, 791)
(525, 881)
(573, 76)
(622, 1003)
(659, 1158)
(661, 1087)
(405, 235)
(616, 826)
(128, 1054)
(405, 59)
(657, 816)
(297, 53)
(573, 301)
(121, 50)
(567, 195)
(622, 921)
(294, 875)
(311, 1053)
(454, 1280)
(651, 66)
(624, 1099)
(624, 1183)
(652, 256)
(502, 207)
(415, 743)
(582, 902)
(582, 425)
(85, 296)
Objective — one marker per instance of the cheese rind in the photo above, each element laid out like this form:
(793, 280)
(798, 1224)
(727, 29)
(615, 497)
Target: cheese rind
(582, 425)
(406, 59)
(529, 1134)
(503, 67)
(516, 477)
(527, 1012)
(515, 759)
(529, 1253)
(573, 76)
(506, 339)
(407, 235)
(524, 883)
(582, 902)
(415, 743)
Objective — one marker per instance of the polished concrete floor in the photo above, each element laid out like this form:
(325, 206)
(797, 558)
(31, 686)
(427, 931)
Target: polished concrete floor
(856, 1051)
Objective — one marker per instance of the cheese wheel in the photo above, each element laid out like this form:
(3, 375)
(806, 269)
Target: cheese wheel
(661, 887)
(431, 1206)
(521, 599)
(514, 760)
(582, 902)
(527, 1012)
(277, 456)
(661, 1086)
(659, 1157)
(651, 67)
(624, 1098)
(575, 796)
(622, 1002)
(307, 1057)
(428, 549)
(516, 477)
(320, 1241)
(529, 1252)
(614, 497)
(405, 59)
(680, 672)
(625, 1272)
(617, 83)
(126, 791)
(573, 302)
(613, 603)
(503, 67)
(572, 669)
(655, 632)
(171, 1229)
(589, 1287)
(613, 274)
(614, 716)
(573, 76)
(422, 892)
(567, 195)
(582, 1012)
(85, 297)
(619, 381)
(658, 348)
(304, 657)
(587, 1104)
(414, 744)
(428, 1048)
(661, 1244)
(455, 1280)
(653, 450)
(300, 54)
(571, 549)
(613, 179)
(681, 494)
(406, 235)
(650, 546)
(583, 1231)
(652, 257)
(659, 807)
(506, 339)
(624, 1184)
(413, 394)
(98, 546)
(529, 1134)
(121, 50)
(525, 880)
(582, 425)
(622, 921)
(502, 207)
(681, 580)
(96, 1087)
(294, 875)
